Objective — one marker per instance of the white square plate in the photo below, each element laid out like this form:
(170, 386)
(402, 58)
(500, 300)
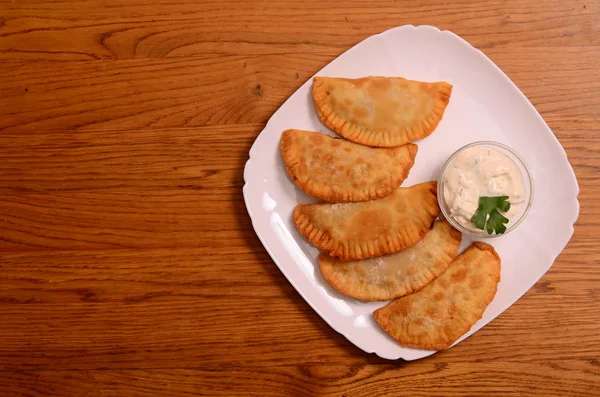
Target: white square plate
(485, 105)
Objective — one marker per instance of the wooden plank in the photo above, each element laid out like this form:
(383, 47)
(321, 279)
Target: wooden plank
(186, 308)
(184, 274)
(192, 92)
(135, 29)
(131, 276)
(262, 332)
(124, 189)
(167, 187)
(443, 378)
(204, 158)
(131, 94)
(123, 217)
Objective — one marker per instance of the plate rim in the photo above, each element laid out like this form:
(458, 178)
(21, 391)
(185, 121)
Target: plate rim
(249, 165)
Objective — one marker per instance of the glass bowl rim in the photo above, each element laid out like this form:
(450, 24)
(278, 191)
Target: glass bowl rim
(483, 233)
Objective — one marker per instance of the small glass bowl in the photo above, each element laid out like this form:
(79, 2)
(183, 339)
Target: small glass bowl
(527, 182)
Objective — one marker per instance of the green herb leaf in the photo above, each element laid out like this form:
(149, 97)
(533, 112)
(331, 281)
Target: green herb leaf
(496, 222)
(487, 216)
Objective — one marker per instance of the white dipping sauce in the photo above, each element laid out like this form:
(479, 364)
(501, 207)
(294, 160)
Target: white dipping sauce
(481, 171)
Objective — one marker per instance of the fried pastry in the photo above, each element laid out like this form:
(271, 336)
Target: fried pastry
(445, 309)
(392, 276)
(338, 170)
(380, 111)
(371, 228)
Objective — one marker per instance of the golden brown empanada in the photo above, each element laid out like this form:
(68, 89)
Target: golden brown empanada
(339, 170)
(445, 309)
(370, 228)
(392, 276)
(380, 111)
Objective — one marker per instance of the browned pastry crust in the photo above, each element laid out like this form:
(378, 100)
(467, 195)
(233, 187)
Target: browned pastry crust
(391, 276)
(445, 309)
(380, 111)
(339, 170)
(371, 228)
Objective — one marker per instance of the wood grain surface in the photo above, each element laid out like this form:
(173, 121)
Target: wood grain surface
(128, 263)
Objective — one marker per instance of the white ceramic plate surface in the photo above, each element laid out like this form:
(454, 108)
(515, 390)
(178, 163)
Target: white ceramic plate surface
(485, 105)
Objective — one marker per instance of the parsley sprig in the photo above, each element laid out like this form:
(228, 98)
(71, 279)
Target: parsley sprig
(487, 216)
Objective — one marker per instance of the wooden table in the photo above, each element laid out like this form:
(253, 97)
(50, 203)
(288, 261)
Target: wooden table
(128, 264)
